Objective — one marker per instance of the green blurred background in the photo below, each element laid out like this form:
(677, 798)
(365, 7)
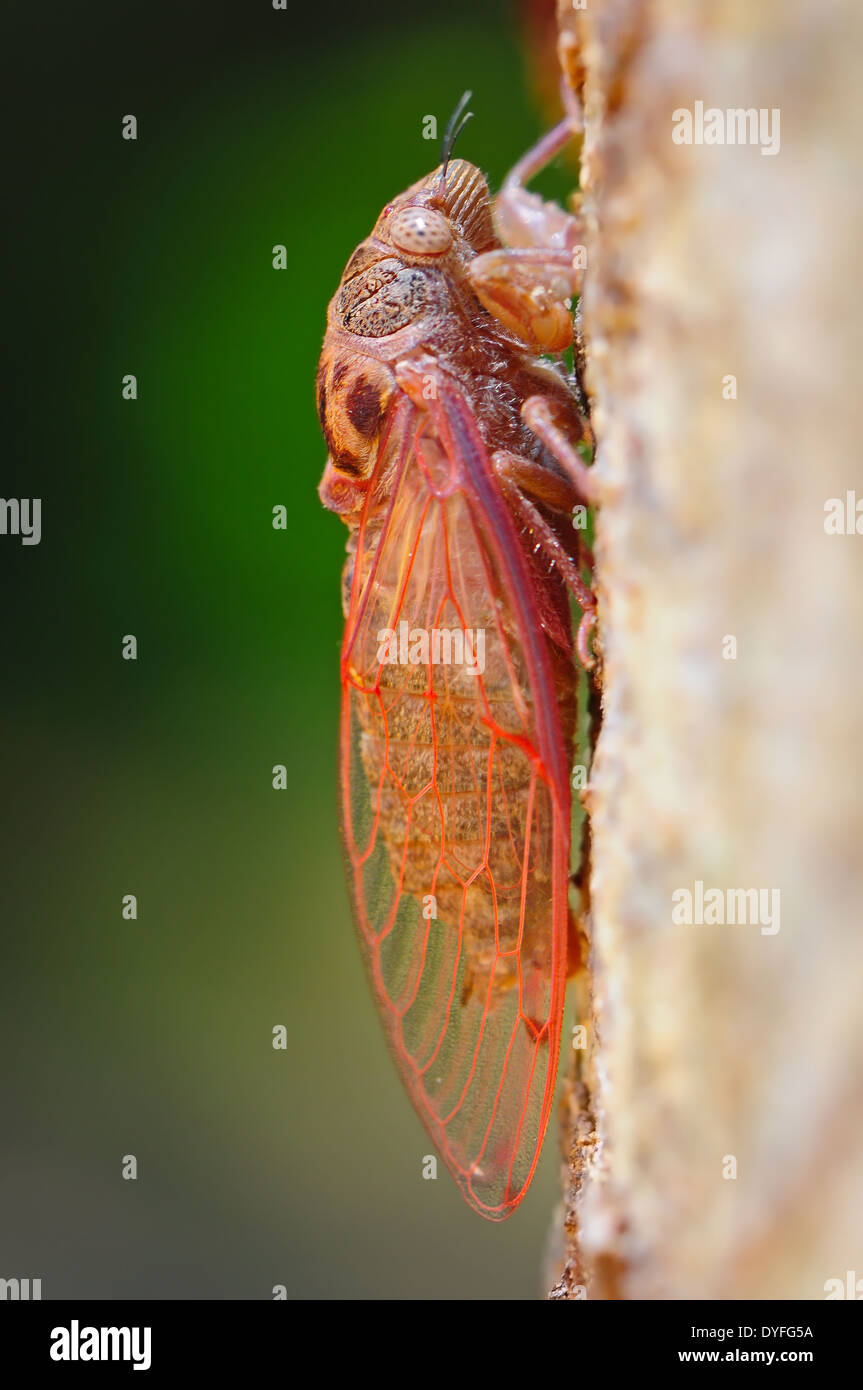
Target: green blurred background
(154, 1037)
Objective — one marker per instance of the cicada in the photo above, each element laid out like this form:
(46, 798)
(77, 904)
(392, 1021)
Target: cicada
(452, 425)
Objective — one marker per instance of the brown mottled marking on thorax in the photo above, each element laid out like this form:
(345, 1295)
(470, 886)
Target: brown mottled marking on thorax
(353, 393)
(364, 408)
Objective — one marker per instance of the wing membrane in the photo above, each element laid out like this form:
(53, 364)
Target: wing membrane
(455, 811)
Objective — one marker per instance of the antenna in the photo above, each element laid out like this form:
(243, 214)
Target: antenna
(456, 124)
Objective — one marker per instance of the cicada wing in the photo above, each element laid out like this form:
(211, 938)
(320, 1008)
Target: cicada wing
(456, 829)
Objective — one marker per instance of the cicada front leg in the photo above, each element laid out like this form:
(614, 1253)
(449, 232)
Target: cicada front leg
(529, 283)
(525, 219)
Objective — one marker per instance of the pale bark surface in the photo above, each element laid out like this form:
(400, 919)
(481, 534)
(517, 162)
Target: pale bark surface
(717, 1040)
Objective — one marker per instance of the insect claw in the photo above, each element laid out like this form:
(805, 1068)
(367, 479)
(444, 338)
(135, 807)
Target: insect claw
(582, 639)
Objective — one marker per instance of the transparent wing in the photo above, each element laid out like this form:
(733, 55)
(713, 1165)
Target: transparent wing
(456, 815)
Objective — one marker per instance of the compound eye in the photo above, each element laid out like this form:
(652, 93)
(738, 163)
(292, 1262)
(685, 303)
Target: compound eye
(420, 232)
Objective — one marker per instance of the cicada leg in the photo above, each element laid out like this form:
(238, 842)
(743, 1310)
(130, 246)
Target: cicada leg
(529, 283)
(538, 415)
(525, 219)
(529, 291)
(519, 477)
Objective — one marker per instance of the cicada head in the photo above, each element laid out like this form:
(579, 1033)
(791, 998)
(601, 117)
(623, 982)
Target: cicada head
(446, 214)
(394, 291)
(434, 229)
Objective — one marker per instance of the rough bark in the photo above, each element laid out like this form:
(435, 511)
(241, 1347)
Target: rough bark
(711, 1042)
